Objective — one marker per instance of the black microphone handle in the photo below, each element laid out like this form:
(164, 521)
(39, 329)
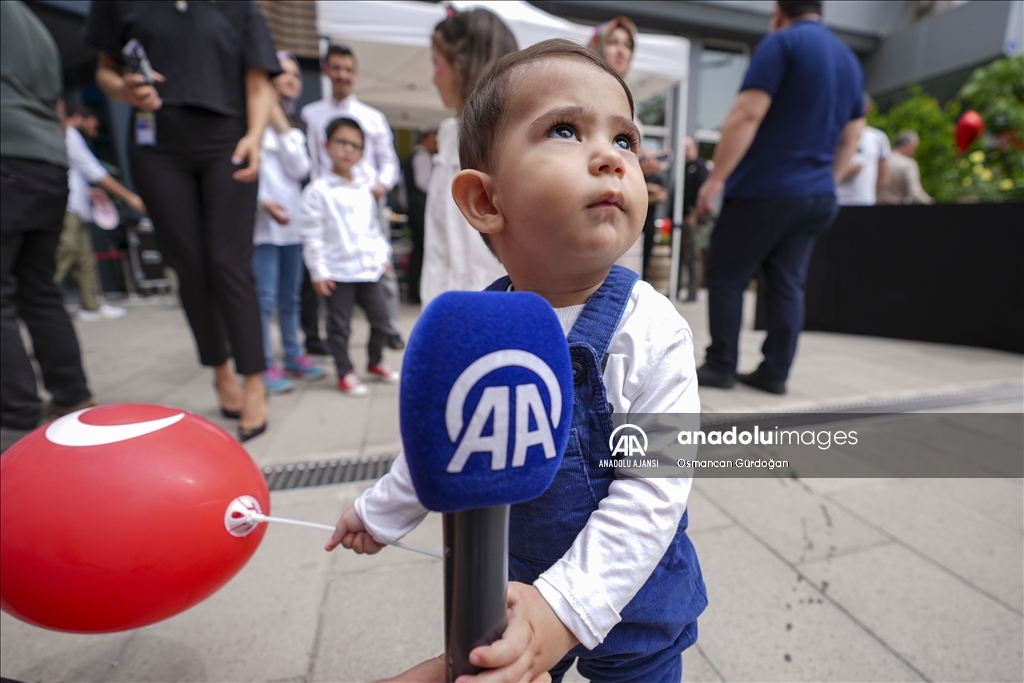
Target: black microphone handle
(475, 583)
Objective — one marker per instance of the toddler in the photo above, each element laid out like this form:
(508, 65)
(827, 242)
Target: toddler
(600, 565)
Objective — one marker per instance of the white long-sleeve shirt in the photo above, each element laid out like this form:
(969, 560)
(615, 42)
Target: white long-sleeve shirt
(84, 169)
(284, 164)
(341, 235)
(455, 257)
(650, 369)
(380, 161)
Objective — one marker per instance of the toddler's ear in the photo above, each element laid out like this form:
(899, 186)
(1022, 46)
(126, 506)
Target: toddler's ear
(472, 193)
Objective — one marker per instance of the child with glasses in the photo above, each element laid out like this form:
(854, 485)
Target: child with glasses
(346, 254)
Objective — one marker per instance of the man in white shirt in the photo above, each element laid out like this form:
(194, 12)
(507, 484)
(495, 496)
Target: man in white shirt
(378, 169)
(75, 250)
(868, 171)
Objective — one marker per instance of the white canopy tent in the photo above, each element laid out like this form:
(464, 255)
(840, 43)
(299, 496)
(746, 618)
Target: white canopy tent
(391, 41)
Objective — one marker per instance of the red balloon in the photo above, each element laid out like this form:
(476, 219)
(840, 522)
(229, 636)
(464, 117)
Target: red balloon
(117, 517)
(968, 128)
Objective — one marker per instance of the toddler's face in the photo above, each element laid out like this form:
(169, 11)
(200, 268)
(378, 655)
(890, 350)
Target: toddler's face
(566, 175)
(345, 148)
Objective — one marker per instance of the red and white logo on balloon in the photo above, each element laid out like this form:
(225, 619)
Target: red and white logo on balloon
(110, 424)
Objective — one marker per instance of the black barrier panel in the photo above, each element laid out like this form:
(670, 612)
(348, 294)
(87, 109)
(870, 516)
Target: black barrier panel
(810, 445)
(947, 273)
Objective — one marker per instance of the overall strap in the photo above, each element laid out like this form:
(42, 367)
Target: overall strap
(499, 285)
(600, 316)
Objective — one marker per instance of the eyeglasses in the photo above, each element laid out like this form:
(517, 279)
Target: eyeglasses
(346, 144)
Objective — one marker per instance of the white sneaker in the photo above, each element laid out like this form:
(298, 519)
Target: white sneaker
(85, 316)
(108, 312)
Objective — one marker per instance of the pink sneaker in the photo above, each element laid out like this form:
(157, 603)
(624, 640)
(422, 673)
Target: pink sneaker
(352, 385)
(384, 373)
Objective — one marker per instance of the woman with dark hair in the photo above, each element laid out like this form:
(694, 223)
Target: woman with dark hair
(455, 257)
(202, 101)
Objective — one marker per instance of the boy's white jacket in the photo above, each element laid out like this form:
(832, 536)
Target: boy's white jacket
(650, 369)
(341, 234)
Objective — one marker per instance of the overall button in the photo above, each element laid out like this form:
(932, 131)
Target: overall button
(579, 372)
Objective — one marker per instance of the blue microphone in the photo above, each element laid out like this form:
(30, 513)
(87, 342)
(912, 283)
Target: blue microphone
(485, 407)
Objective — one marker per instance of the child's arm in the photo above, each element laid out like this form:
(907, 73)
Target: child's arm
(312, 226)
(383, 514)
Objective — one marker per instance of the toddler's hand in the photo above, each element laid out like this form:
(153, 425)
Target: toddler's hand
(351, 533)
(534, 640)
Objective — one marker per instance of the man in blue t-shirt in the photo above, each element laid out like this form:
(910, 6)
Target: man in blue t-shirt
(796, 120)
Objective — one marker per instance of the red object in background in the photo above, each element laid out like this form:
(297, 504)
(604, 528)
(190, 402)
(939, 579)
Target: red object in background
(664, 226)
(114, 517)
(968, 128)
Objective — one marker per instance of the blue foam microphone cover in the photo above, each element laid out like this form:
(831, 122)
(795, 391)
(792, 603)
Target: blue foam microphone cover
(485, 400)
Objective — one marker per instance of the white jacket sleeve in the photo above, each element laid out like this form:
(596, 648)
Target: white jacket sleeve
(312, 223)
(390, 509)
(294, 155)
(626, 537)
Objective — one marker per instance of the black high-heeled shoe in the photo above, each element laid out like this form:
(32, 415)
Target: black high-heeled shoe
(246, 433)
(227, 412)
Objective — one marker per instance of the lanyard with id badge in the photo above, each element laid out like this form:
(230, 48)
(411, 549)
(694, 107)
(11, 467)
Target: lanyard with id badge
(136, 62)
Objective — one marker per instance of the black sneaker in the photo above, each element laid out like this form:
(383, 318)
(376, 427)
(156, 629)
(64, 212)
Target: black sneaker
(395, 342)
(706, 377)
(756, 380)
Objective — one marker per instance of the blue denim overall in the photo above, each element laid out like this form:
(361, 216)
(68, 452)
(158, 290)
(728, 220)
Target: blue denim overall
(661, 620)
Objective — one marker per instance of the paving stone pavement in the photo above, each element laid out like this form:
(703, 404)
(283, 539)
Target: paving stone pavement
(808, 580)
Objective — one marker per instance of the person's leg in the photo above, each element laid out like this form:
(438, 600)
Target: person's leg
(66, 247)
(32, 200)
(171, 192)
(289, 283)
(370, 296)
(741, 240)
(339, 317)
(229, 213)
(84, 268)
(786, 274)
(20, 407)
(315, 345)
(265, 270)
(689, 257)
(392, 295)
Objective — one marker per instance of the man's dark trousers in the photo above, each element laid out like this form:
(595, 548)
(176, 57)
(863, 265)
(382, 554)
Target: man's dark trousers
(33, 195)
(777, 235)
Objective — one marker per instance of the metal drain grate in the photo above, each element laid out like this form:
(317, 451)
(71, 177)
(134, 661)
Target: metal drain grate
(326, 472)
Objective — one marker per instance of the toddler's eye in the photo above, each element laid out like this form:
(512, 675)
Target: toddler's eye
(624, 142)
(562, 131)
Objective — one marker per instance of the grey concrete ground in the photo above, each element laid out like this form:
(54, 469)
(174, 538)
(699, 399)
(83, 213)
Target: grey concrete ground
(808, 580)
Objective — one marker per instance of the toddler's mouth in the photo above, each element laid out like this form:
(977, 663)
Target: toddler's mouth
(609, 200)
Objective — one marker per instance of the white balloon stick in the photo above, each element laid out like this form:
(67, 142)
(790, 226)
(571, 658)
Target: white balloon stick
(313, 525)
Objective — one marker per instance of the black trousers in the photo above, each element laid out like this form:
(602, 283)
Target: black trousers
(370, 297)
(203, 220)
(33, 195)
(310, 312)
(776, 235)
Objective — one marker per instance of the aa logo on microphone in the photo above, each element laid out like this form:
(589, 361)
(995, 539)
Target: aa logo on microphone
(628, 444)
(495, 407)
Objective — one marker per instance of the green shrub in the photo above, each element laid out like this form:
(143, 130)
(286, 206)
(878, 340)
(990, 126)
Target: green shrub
(992, 168)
